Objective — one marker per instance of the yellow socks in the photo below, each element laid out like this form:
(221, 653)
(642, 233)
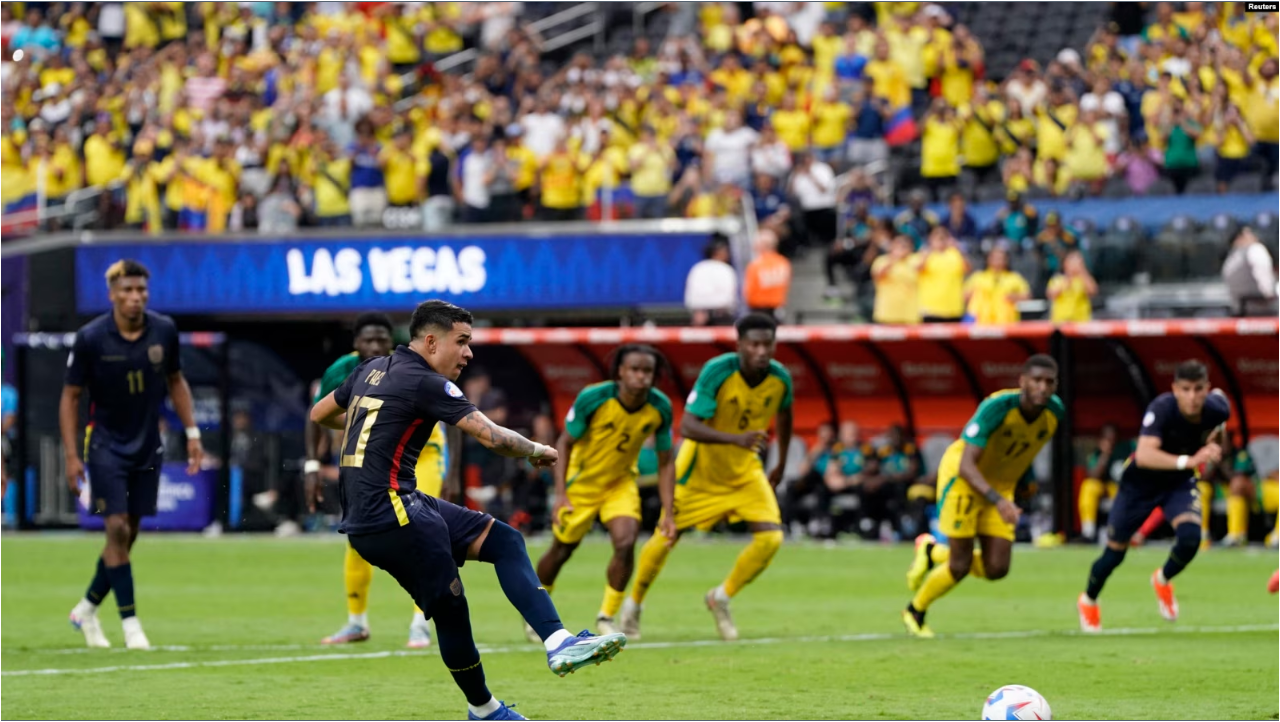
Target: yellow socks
(652, 556)
(1237, 517)
(753, 560)
(1206, 507)
(359, 577)
(1090, 494)
(612, 601)
(938, 582)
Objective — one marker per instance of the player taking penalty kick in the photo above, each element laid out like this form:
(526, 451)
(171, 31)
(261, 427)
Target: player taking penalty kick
(976, 478)
(372, 338)
(596, 476)
(1180, 433)
(127, 360)
(719, 474)
(388, 407)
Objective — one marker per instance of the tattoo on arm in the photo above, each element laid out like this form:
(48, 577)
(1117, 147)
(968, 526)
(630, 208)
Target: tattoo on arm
(499, 439)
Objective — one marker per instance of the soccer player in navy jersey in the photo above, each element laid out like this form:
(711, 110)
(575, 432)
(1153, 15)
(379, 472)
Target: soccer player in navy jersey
(388, 407)
(127, 360)
(1180, 433)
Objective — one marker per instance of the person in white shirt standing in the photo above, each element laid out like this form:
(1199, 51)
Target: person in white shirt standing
(814, 186)
(477, 174)
(727, 151)
(711, 288)
(1250, 276)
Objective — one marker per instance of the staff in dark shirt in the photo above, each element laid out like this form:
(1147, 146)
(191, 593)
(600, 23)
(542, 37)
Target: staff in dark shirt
(128, 360)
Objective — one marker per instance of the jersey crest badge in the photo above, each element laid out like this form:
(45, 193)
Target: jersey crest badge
(452, 389)
(155, 353)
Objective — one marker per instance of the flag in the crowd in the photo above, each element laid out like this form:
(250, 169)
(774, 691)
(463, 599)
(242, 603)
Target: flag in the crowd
(902, 127)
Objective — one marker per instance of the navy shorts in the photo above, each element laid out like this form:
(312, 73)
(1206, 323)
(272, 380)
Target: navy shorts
(1134, 502)
(121, 486)
(424, 555)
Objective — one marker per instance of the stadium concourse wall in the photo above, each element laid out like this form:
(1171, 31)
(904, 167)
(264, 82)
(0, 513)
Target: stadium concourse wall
(930, 378)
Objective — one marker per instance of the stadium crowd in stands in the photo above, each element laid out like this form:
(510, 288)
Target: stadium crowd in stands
(269, 116)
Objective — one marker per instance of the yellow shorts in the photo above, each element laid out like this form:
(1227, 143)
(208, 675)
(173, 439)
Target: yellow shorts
(964, 514)
(621, 499)
(702, 507)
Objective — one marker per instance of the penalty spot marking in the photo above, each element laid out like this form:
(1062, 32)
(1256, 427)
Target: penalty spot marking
(301, 659)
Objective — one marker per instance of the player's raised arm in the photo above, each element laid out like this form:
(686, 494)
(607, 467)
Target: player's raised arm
(695, 428)
(504, 441)
(328, 413)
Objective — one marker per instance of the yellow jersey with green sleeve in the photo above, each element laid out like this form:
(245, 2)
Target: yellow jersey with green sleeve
(727, 403)
(607, 437)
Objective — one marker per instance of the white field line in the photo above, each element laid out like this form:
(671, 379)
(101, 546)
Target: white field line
(527, 648)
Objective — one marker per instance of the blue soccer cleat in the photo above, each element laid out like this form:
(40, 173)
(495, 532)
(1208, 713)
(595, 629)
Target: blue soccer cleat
(502, 712)
(586, 648)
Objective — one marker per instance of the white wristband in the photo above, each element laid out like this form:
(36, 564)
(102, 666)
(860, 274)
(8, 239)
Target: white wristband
(193, 433)
(1182, 462)
(538, 450)
(311, 466)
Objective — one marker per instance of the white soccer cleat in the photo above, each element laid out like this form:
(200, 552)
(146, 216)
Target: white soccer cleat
(724, 621)
(419, 635)
(84, 617)
(605, 625)
(134, 637)
(629, 619)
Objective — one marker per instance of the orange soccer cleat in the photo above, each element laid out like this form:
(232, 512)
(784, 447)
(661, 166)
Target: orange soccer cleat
(1090, 615)
(1164, 597)
(1274, 585)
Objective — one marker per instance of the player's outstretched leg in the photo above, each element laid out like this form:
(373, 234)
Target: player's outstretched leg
(357, 575)
(504, 548)
(922, 563)
(751, 562)
(653, 555)
(459, 654)
(84, 616)
(1186, 529)
(548, 568)
(419, 630)
(622, 533)
(1087, 604)
(950, 565)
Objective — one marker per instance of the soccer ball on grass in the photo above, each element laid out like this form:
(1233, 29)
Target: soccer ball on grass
(1014, 701)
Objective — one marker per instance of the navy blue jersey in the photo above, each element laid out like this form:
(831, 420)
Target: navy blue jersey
(126, 380)
(393, 402)
(1179, 436)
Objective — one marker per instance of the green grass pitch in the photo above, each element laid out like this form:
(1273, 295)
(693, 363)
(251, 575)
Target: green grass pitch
(237, 621)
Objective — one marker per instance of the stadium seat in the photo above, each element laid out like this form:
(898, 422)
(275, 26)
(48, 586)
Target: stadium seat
(795, 457)
(1115, 256)
(1171, 250)
(1268, 231)
(1265, 451)
(932, 451)
(1205, 255)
